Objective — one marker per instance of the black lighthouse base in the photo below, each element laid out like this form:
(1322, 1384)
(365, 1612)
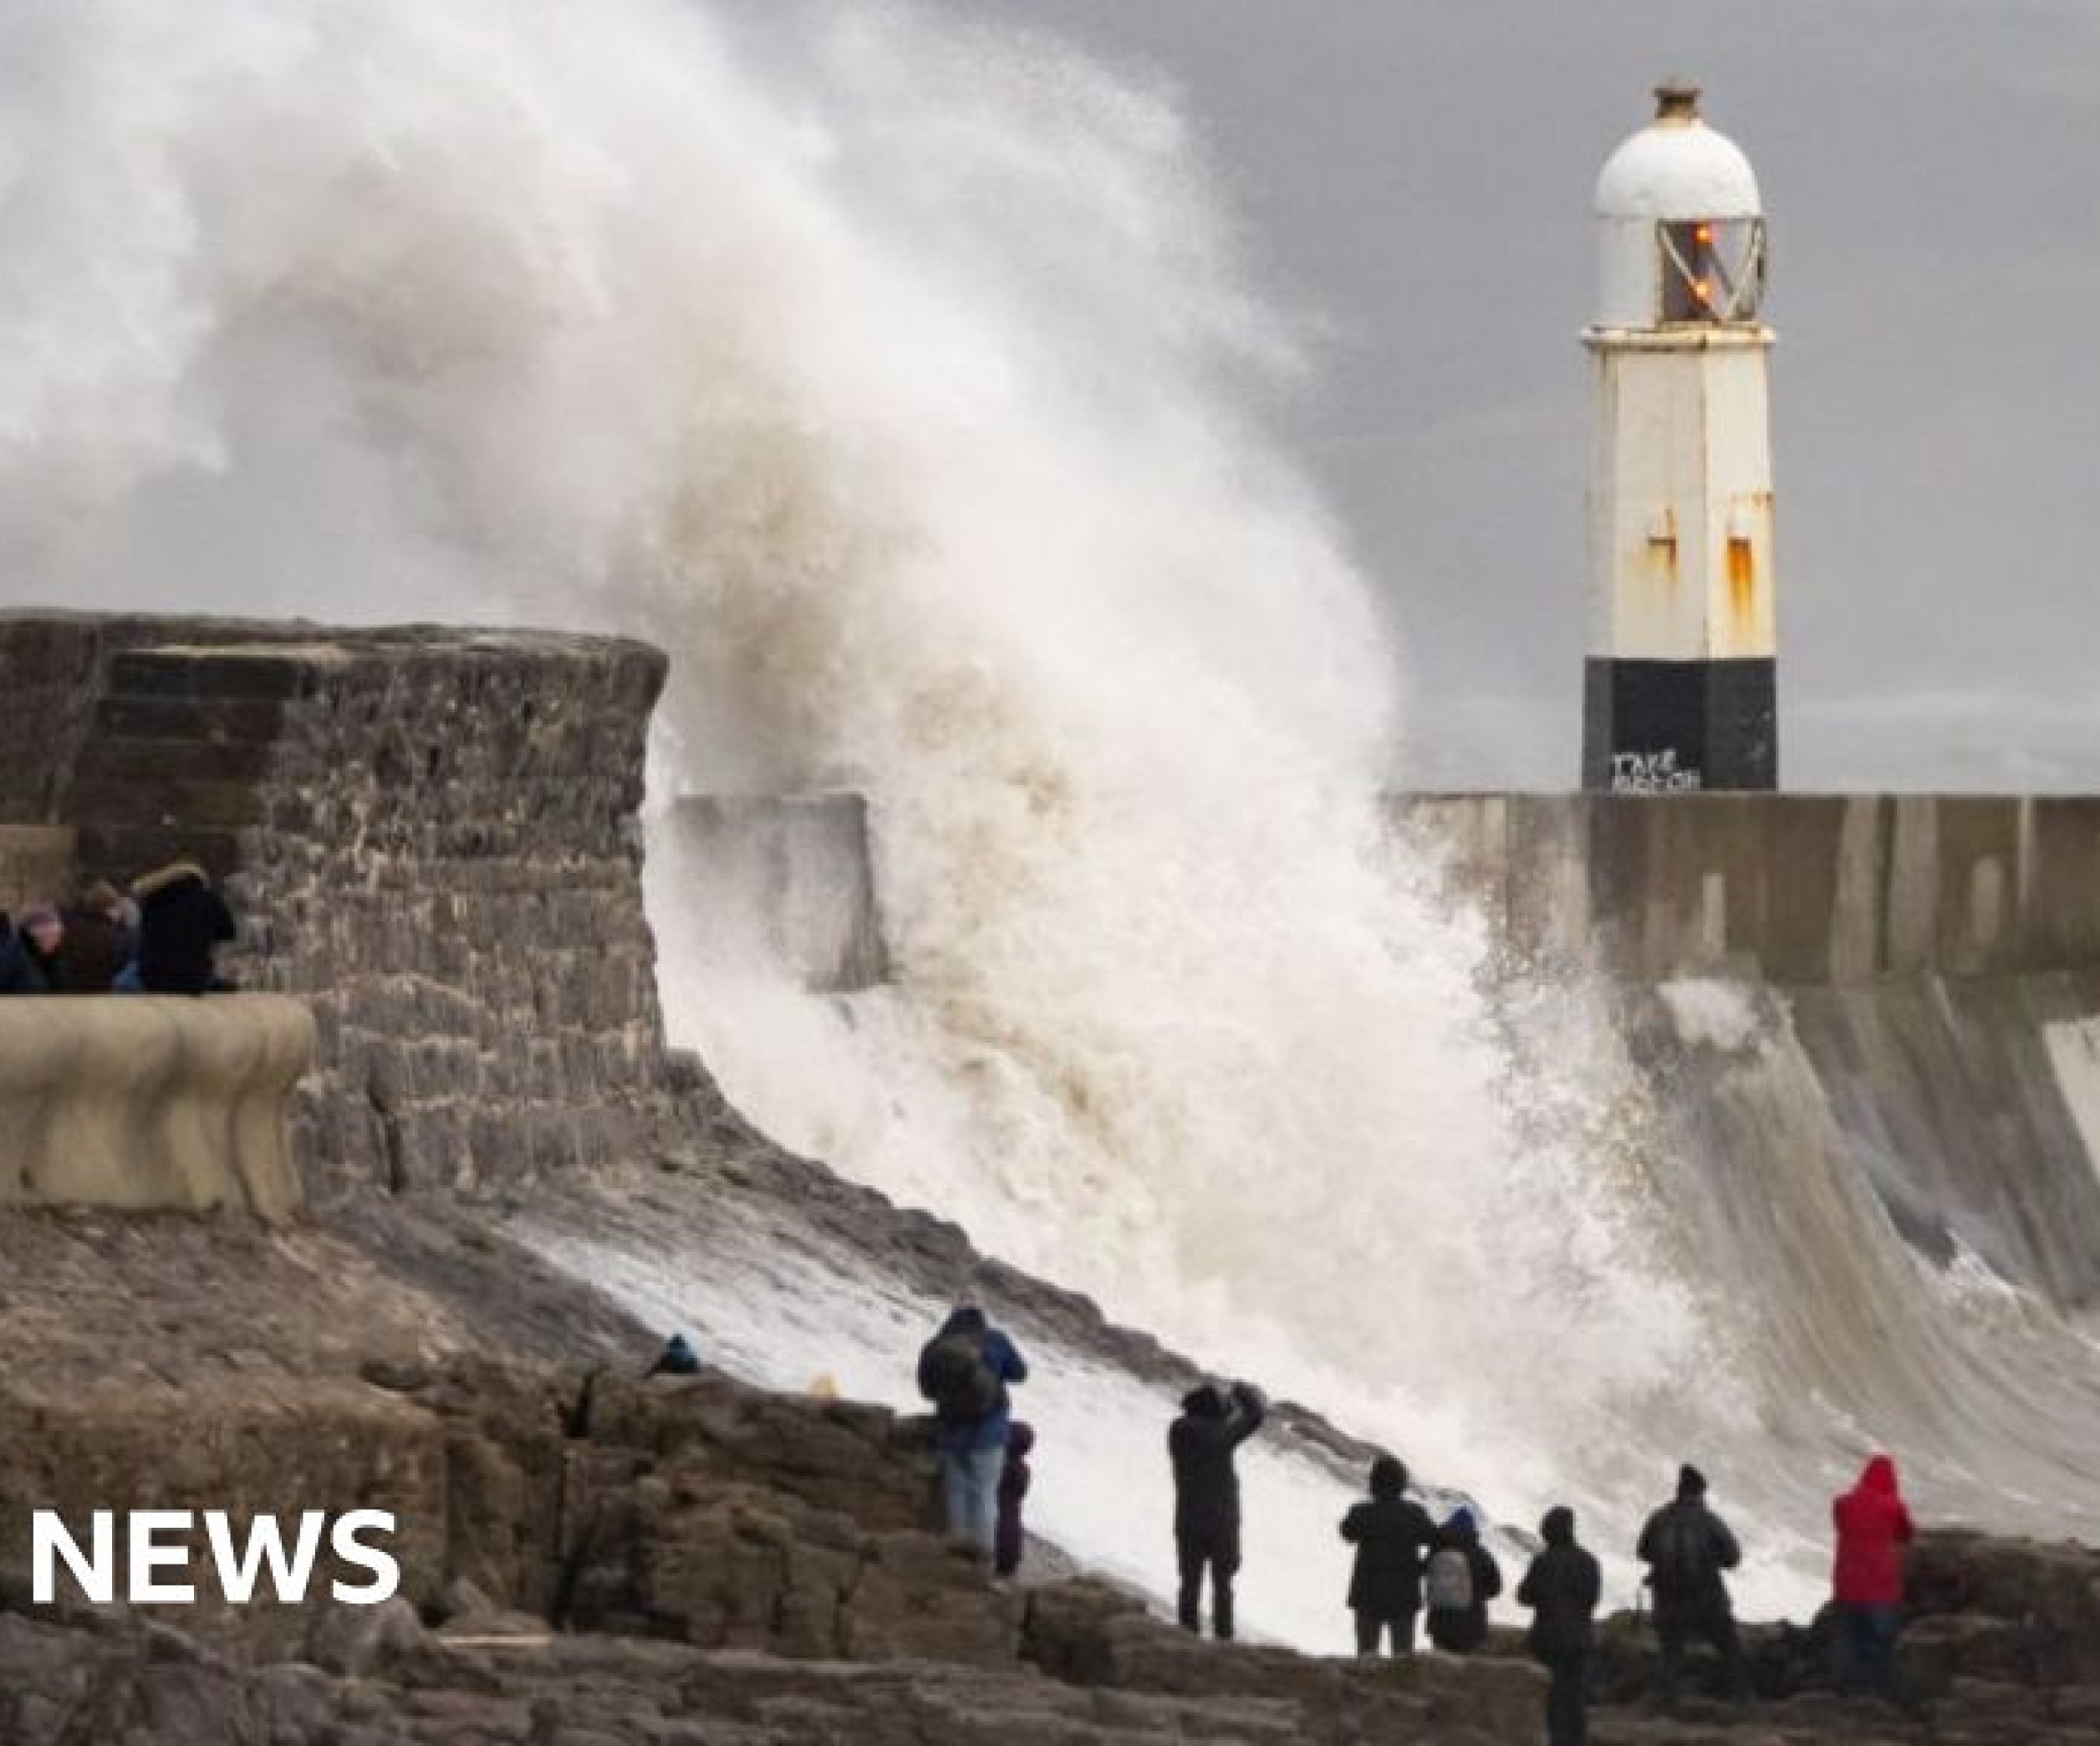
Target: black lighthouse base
(1664, 726)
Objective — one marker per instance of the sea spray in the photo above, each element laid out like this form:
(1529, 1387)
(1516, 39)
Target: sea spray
(910, 396)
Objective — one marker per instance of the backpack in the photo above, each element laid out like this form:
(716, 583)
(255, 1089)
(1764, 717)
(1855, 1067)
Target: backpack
(677, 1359)
(954, 1375)
(1684, 1554)
(1451, 1579)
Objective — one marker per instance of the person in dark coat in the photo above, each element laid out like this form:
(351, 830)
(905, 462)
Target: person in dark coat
(965, 1370)
(1459, 1630)
(1392, 1535)
(19, 973)
(1561, 1587)
(1013, 1489)
(99, 942)
(678, 1358)
(1686, 1546)
(181, 922)
(1202, 1443)
(1867, 1578)
(41, 931)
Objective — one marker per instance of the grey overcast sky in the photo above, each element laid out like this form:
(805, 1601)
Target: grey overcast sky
(1419, 175)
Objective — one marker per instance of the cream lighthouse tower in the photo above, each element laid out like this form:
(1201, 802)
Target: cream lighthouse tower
(1679, 688)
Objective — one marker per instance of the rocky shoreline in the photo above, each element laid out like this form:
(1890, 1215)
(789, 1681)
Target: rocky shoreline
(590, 1558)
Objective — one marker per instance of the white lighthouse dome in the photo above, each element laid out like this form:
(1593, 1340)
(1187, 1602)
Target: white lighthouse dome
(1677, 168)
(1678, 172)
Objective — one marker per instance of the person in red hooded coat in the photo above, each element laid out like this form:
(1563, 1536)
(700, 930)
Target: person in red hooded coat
(1873, 1525)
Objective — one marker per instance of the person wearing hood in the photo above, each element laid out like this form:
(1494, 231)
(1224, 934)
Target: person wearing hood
(1010, 1539)
(1866, 1579)
(1201, 1444)
(99, 942)
(182, 923)
(964, 1371)
(1561, 1587)
(1460, 1578)
(1686, 1546)
(1392, 1535)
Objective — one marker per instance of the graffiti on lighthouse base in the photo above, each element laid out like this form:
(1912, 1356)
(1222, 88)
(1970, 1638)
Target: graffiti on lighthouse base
(1651, 772)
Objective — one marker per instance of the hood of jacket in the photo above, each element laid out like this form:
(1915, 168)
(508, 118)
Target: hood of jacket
(1879, 1477)
(166, 879)
(1206, 1402)
(1559, 1527)
(964, 1319)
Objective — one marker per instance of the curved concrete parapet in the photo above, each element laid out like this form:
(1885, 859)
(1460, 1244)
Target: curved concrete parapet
(140, 1102)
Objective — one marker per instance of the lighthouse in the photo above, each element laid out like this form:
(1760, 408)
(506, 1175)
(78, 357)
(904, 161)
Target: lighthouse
(1678, 685)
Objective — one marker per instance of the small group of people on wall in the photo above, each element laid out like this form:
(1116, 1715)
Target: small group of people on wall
(1409, 1572)
(162, 938)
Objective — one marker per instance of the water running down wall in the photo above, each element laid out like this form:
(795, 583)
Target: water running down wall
(1864, 1105)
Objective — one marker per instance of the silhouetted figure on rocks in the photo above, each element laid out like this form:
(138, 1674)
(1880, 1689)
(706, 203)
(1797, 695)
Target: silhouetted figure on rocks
(1562, 1589)
(1686, 1546)
(182, 921)
(964, 1371)
(1393, 1536)
(677, 1359)
(1459, 1580)
(1867, 1578)
(1011, 1538)
(1201, 1442)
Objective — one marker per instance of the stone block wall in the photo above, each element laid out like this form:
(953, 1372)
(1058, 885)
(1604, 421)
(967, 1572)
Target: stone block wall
(50, 662)
(431, 836)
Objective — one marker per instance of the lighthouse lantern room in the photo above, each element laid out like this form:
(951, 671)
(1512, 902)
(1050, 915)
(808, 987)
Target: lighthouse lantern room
(1678, 687)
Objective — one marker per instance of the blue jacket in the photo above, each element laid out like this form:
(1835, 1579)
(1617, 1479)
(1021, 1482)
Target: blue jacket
(1006, 1363)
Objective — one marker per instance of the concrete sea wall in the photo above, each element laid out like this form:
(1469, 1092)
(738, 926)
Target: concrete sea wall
(1901, 990)
(1801, 890)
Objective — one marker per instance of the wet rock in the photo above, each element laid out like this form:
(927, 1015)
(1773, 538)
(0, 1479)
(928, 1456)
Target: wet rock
(359, 1640)
(395, 1374)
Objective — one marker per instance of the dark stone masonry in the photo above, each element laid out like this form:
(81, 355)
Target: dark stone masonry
(432, 836)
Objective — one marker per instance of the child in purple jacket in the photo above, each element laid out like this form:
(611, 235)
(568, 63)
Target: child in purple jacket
(1013, 1486)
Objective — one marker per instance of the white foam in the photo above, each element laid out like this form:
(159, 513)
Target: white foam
(1710, 1014)
(904, 392)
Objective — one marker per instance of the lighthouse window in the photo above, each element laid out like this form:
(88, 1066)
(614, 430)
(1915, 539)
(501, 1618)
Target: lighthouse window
(1713, 269)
